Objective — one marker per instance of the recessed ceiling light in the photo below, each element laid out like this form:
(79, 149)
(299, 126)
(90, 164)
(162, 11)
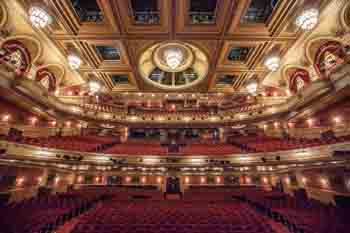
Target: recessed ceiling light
(74, 61)
(94, 86)
(39, 17)
(308, 19)
(272, 63)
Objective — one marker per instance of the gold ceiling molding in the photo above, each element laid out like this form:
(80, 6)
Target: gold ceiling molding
(154, 57)
(31, 43)
(313, 45)
(3, 14)
(57, 69)
(287, 68)
(345, 16)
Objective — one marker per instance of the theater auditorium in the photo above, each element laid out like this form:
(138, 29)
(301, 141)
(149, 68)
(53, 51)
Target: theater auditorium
(174, 116)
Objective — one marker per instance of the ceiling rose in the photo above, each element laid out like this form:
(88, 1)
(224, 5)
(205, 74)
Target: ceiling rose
(173, 57)
(173, 65)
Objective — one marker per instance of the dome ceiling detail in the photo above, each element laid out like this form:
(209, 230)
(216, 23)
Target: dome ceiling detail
(173, 65)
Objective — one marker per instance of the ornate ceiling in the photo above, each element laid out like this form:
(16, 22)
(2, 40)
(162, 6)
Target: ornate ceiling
(214, 46)
(111, 35)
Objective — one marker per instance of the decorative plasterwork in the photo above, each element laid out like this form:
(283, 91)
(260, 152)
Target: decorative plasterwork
(31, 43)
(57, 70)
(3, 14)
(345, 17)
(153, 58)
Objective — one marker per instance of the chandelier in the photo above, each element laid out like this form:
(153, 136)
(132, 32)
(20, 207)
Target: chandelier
(74, 61)
(173, 57)
(272, 63)
(39, 17)
(308, 19)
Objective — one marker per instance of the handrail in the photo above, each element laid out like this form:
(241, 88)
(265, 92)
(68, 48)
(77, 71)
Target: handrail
(37, 92)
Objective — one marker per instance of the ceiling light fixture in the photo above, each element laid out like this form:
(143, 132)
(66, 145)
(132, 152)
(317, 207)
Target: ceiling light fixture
(173, 57)
(252, 88)
(308, 19)
(94, 86)
(39, 17)
(272, 63)
(74, 61)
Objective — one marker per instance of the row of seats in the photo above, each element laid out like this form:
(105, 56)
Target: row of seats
(299, 215)
(270, 144)
(237, 145)
(172, 217)
(44, 214)
(76, 143)
(206, 209)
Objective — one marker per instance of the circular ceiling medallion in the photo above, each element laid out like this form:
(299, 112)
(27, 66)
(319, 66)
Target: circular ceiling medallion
(173, 65)
(173, 57)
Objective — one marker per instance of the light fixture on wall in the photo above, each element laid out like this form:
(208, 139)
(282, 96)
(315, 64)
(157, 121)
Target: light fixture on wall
(310, 122)
(272, 63)
(265, 180)
(20, 181)
(39, 17)
(33, 120)
(304, 180)
(308, 19)
(248, 180)
(74, 61)
(324, 181)
(337, 119)
(6, 118)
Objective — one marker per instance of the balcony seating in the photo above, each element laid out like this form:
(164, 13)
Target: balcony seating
(210, 149)
(270, 144)
(75, 143)
(137, 149)
(237, 145)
